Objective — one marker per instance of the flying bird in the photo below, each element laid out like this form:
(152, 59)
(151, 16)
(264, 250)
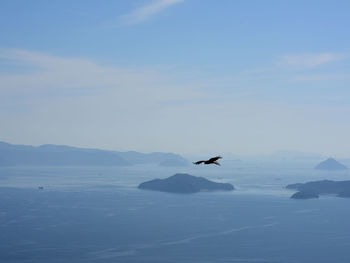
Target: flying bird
(210, 161)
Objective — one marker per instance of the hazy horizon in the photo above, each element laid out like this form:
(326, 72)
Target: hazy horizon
(183, 76)
(264, 84)
(227, 155)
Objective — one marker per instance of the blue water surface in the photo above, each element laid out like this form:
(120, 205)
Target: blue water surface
(97, 214)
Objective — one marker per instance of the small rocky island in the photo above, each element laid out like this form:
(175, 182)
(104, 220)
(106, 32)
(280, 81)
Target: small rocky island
(316, 188)
(185, 184)
(330, 165)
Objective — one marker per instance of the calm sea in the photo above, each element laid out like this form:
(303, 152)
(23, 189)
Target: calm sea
(97, 214)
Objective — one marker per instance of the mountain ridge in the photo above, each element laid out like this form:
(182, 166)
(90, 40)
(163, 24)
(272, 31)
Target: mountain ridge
(64, 155)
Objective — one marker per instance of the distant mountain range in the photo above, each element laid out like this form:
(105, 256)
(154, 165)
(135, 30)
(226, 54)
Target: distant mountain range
(59, 155)
(290, 155)
(277, 156)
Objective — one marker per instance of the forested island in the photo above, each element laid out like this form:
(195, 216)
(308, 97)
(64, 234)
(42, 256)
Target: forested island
(324, 187)
(184, 183)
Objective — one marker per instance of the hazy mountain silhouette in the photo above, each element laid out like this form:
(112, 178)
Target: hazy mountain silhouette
(59, 155)
(294, 156)
(174, 162)
(165, 159)
(330, 165)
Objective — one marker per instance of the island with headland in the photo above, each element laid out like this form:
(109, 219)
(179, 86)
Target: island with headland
(185, 184)
(316, 188)
(330, 165)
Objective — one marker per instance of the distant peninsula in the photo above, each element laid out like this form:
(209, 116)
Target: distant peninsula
(61, 155)
(185, 184)
(316, 188)
(304, 195)
(330, 165)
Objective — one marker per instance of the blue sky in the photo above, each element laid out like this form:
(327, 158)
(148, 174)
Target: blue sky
(189, 76)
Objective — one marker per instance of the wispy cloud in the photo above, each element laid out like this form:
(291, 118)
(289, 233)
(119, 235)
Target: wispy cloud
(321, 77)
(80, 102)
(147, 11)
(61, 77)
(302, 61)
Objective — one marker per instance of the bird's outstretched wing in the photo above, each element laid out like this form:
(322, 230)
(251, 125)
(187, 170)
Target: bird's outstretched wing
(199, 162)
(214, 159)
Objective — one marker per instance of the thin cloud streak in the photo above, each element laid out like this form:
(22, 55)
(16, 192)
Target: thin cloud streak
(146, 12)
(60, 77)
(304, 61)
(79, 102)
(321, 77)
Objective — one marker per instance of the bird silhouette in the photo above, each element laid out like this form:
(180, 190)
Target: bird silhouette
(210, 161)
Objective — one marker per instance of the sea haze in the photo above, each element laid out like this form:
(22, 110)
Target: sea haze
(97, 214)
